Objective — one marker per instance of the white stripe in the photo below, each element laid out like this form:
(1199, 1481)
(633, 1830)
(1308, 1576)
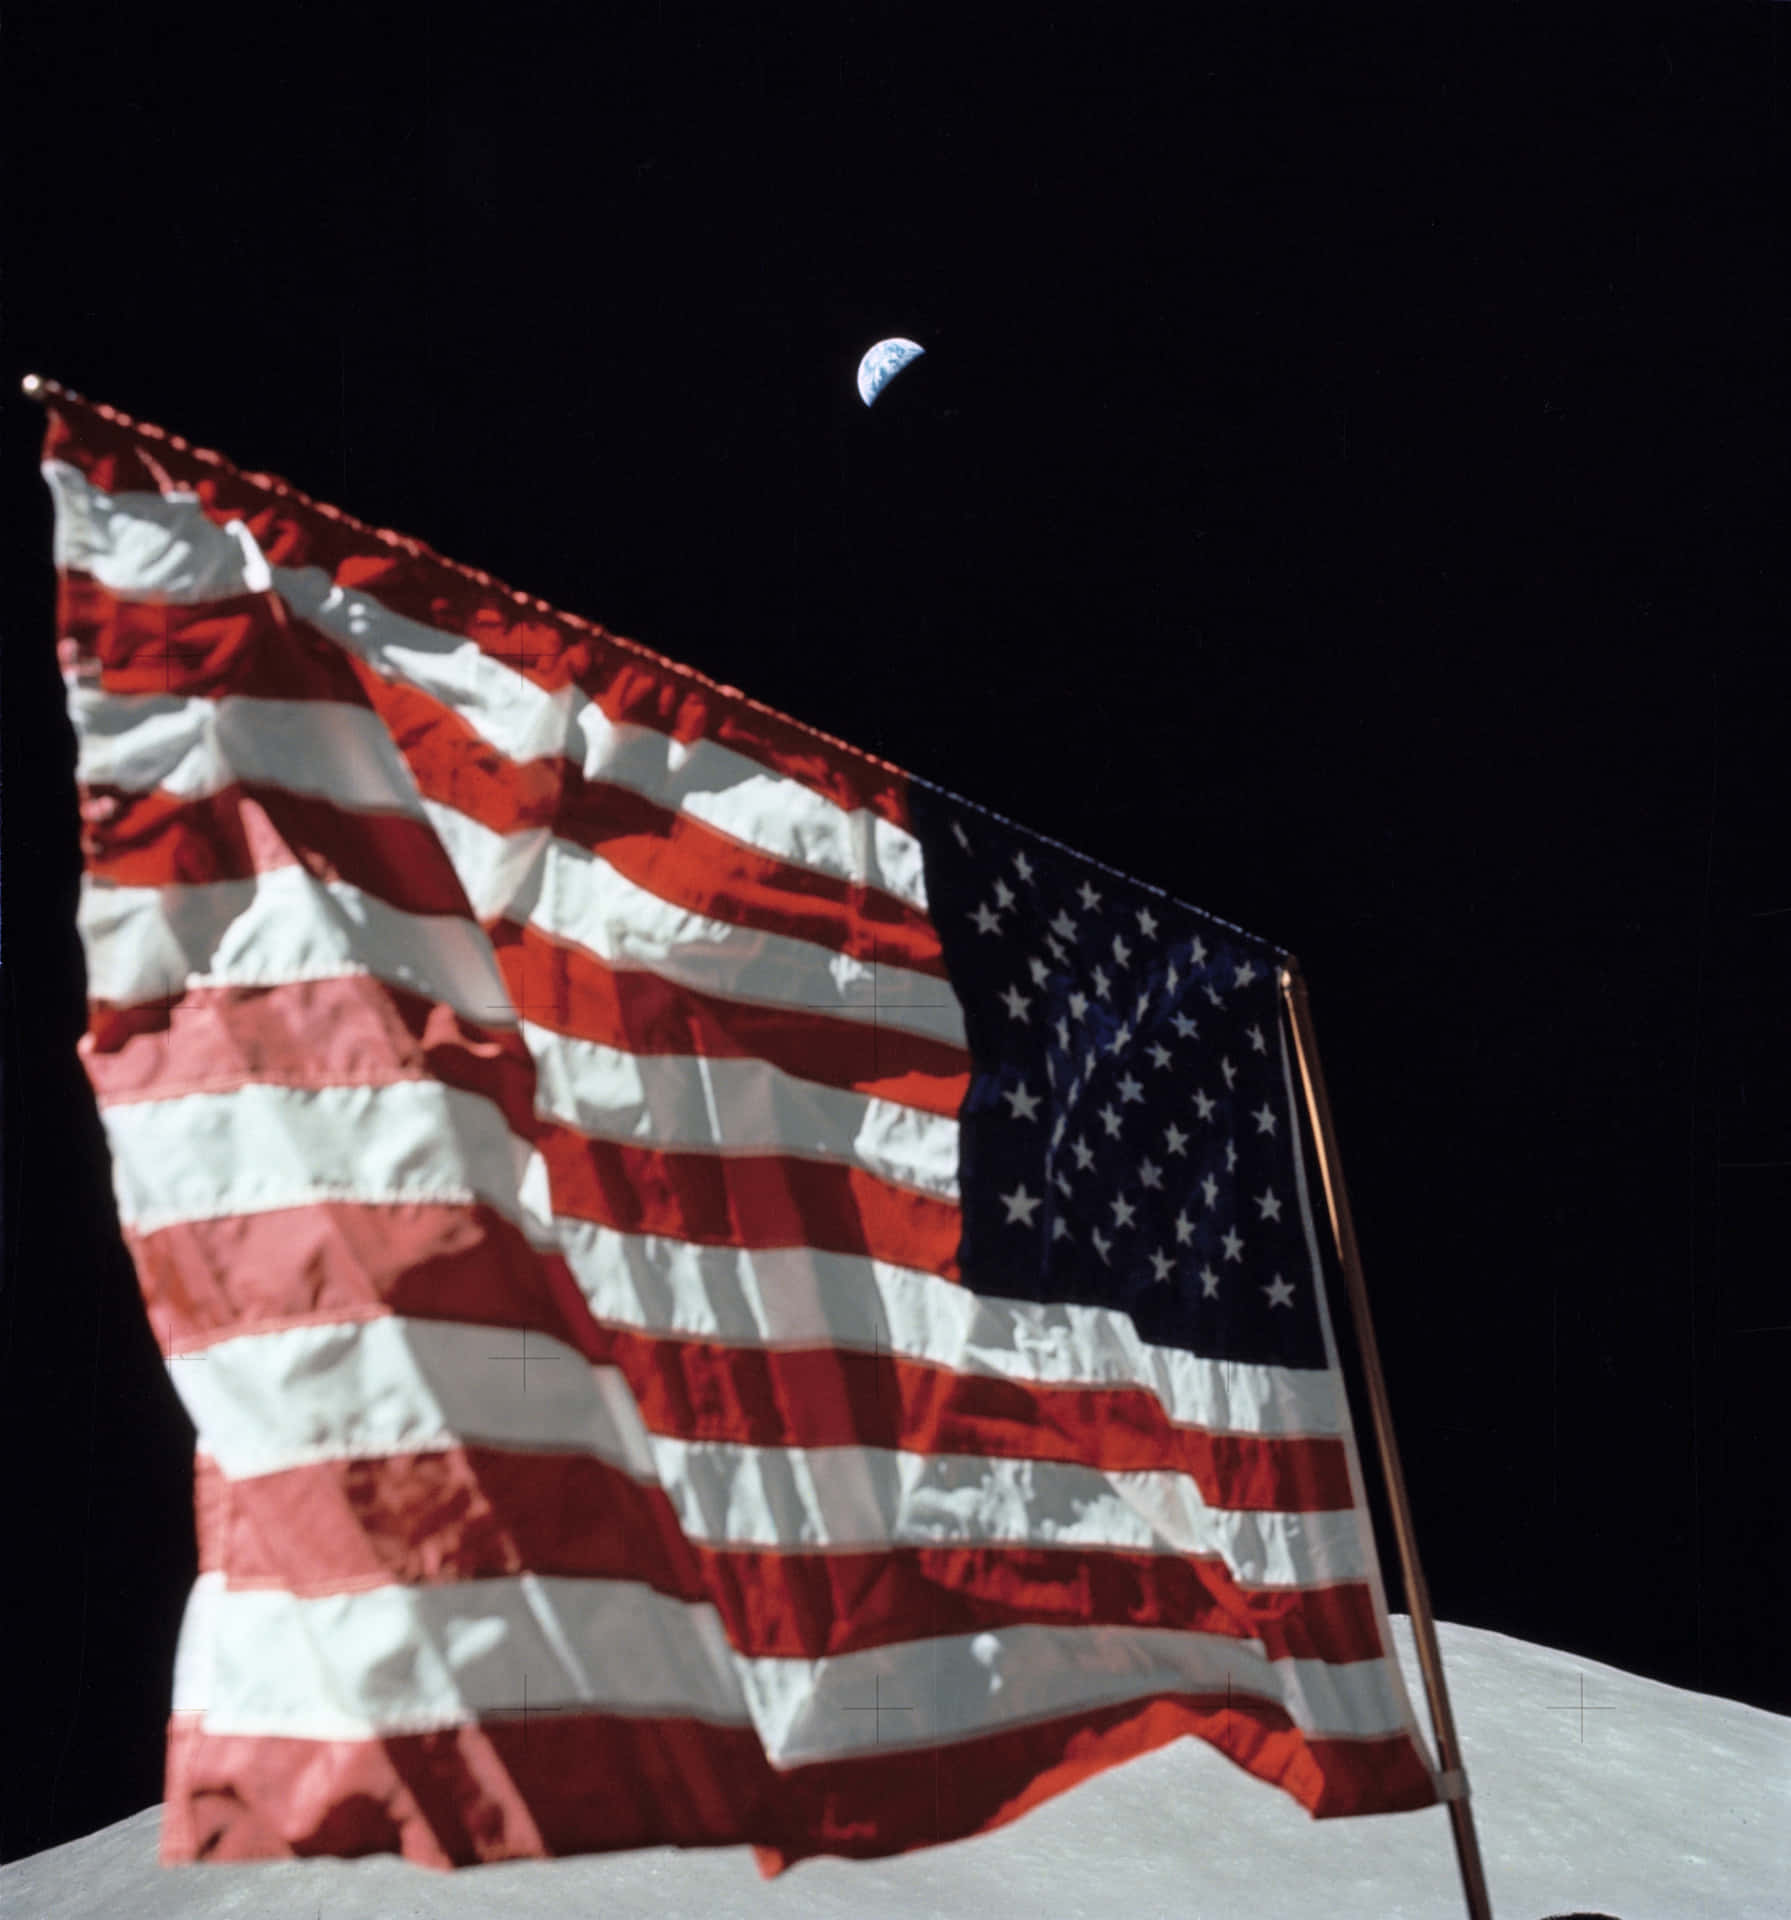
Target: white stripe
(363, 1389)
(689, 1101)
(573, 895)
(201, 1156)
(408, 1659)
(148, 547)
(265, 1402)
(803, 1297)
(193, 748)
(397, 1660)
(958, 1685)
(280, 926)
(142, 544)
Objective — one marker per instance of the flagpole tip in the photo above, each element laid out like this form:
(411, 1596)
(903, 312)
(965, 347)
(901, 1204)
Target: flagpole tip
(31, 384)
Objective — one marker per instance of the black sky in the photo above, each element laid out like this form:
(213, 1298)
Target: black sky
(1345, 487)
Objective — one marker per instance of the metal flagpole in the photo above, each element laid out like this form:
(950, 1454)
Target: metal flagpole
(1454, 1780)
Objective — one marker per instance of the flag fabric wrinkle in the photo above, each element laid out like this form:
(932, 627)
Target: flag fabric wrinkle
(727, 1294)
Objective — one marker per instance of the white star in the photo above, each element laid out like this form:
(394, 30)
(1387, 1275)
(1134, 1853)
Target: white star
(1178, 1141)
(1149, 1173)
(1061, 1181)
(1198, 957)
(1019, 1206)
(1264, 1116)
(1109, 1119)
(1017, 1003)
(1160, 1054)
(1088, 1061)
(1004, 893)
(1084, 1153)
(1023, 867)
(1101, 983)
(1143, 1002)
(1162, 1264)
(987, 920)
(1062, 1030)
(1173, 977)
(1129, 1089)
(1060, 1228)
(1231, 1156)
(1057, 1127)
(1123, 1210)
(1230, 1072)
(1257, 1041)
(1270, 1204)
(1209, 1282)
(1064, 924)
(1210, 1187)
(1234, 1246)
(1102, 1245)
(1024, 1104)
(1040, 972)
(1059, 952)
(1185, 1027)
(1090, 899)
(1184, 1228)
(1212, 995)
(1245, 974)
(1205, 1105)
(1121, 952)
(958, 833)
(1280, 1292)
(1147, 923)
(1122, 1038)
(1078, 1005)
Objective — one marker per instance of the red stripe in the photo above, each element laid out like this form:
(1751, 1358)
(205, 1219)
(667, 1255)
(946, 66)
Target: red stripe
(352, 1030)
(155, 839)
(341, 1260)
(480, 1513)
(748, 1200)
(628, 681)
(304, 1266)
(671, 854)
(838, 1397)
(571, 990)
(245, 643)
(554, 1785)
(147, 648)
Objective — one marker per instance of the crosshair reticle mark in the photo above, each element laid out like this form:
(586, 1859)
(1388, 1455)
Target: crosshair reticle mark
(526, 1710)
(1582, 1709)
(162, 1328)
(522, 1359)
(876, 1707)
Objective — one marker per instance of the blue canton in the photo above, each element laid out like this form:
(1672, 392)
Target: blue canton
(1127, 1139)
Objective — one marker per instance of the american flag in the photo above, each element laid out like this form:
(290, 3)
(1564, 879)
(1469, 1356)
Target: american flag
(727, 1295)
